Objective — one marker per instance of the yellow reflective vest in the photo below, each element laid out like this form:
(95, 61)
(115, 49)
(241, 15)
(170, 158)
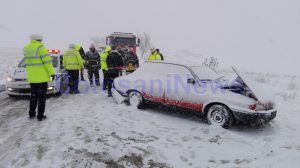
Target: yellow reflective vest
(103, 57)
(154, 56)
(38, 62)
(72, 60)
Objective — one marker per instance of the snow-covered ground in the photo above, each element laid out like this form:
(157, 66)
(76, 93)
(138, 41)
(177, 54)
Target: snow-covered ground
(9, 57)
(91, 130)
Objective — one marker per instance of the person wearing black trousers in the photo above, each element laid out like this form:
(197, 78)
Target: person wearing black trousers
(114, 63)
(79, 48)
(93, 65)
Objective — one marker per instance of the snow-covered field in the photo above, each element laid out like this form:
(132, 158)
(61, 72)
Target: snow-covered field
(91, 130)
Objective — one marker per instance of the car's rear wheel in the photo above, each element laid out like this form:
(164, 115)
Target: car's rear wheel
(135, 99)
(219, 115)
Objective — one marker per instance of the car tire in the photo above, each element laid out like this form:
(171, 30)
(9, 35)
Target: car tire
(220, 115)
(135, 98)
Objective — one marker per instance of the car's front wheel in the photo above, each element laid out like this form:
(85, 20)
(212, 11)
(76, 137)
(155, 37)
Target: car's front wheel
(220, 115)
(135, 99)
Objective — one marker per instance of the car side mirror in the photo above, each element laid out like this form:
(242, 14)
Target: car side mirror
(191, 80)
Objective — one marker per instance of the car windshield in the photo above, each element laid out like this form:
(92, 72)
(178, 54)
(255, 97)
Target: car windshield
(123, 41)
(205, 73)
(54, 62)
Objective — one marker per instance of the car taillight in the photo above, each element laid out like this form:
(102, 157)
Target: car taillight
(54, 51)
(252, 106)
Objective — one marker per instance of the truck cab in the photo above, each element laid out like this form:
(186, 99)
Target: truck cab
(123, 41)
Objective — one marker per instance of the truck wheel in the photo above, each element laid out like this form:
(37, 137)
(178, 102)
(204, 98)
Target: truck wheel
(135, 99)
(220, 115)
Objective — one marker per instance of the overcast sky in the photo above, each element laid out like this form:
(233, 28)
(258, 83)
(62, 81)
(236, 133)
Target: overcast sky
(260, 35)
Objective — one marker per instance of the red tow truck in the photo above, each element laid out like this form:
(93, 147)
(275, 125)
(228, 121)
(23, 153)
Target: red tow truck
(123, 41)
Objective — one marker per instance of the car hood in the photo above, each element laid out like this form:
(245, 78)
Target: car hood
(260, 94)
(19, 73)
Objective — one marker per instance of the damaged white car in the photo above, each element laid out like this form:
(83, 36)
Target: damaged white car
(222, 102)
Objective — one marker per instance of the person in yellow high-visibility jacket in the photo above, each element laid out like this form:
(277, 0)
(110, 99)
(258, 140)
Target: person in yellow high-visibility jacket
(104, 68)
(73, 63)
(39, 70)
(154, 55)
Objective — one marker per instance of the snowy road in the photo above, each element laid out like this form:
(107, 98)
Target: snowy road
(91, 130)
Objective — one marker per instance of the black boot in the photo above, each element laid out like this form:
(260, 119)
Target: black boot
(41, 118)
(31, 116)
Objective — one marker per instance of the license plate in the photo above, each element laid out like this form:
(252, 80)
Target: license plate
(23, 85)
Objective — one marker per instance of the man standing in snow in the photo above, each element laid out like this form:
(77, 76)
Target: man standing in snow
(79, 48)
(161, 56)
(39, 69)
(131, 57)
(93, 65)
(131, 60)
(73, 62)
(114, 63)
(104, 69)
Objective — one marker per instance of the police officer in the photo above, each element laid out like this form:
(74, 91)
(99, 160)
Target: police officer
(93, 64)
(104, 69)
(79, 48)
(39, 69)
(73, 62)
(154, 55)
(114, 64)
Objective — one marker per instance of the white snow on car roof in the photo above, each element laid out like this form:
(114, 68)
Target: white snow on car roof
(178, 62)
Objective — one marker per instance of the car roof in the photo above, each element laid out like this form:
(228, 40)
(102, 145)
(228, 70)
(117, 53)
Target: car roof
(177, 62)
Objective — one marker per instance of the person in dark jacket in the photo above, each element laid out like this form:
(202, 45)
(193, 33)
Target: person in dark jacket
(131, 60)
(131, 57)
(92, 58)
(161, 56)
(114, 63)
(79, 48)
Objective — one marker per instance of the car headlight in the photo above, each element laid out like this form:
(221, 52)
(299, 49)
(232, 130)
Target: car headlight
(10, 79)
(50, 88)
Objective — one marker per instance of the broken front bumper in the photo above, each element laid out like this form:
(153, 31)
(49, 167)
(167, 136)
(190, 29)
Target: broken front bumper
(256, 117)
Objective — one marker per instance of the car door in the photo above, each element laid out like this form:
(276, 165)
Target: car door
(181, 88)
(150, 79)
